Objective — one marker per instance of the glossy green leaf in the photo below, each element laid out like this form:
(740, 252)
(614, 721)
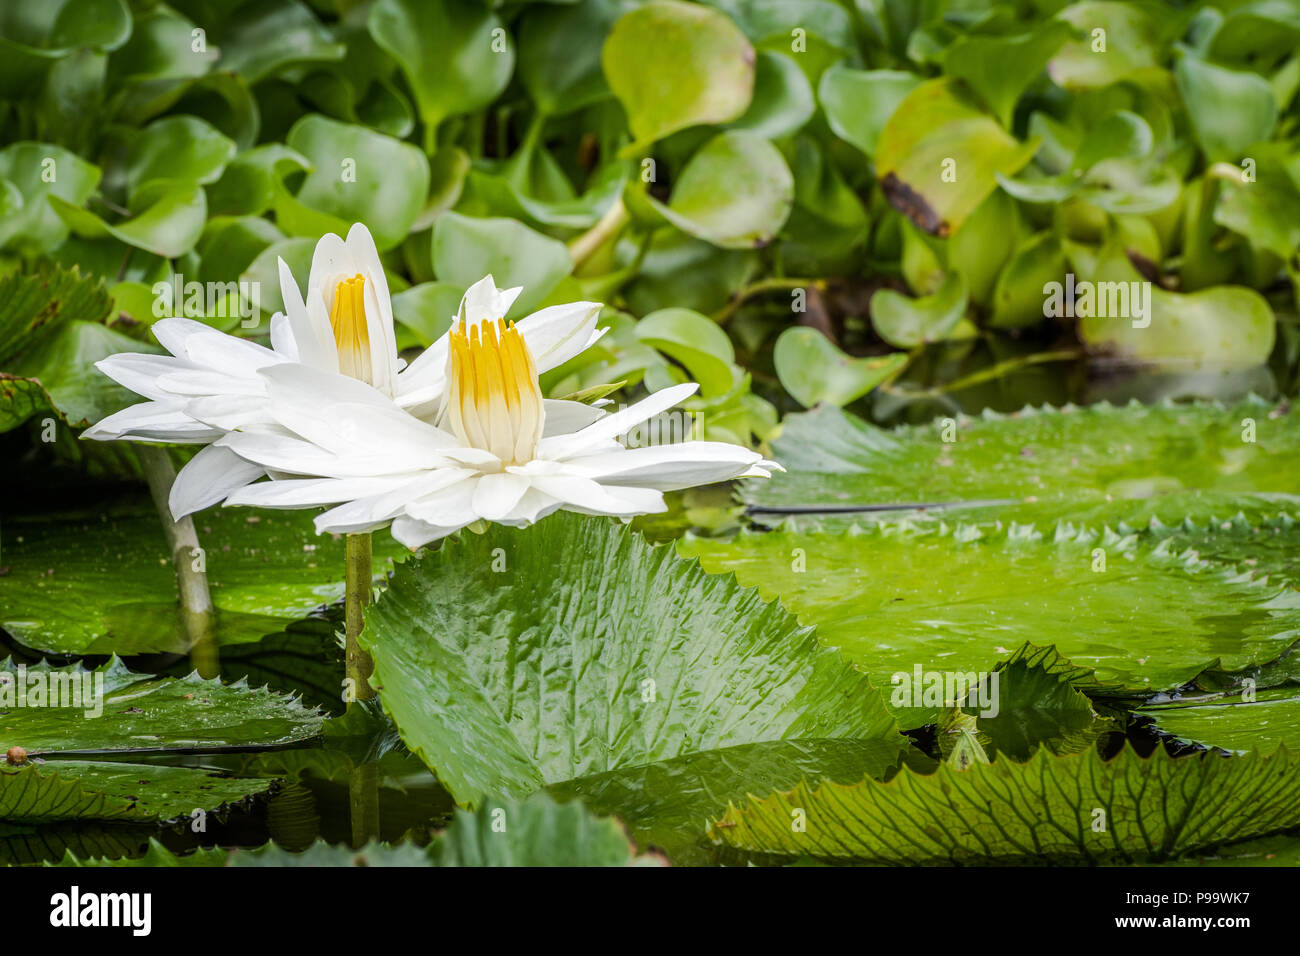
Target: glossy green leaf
(75, 710)
(858, 103)
(703, 69)
(736, 192)
(939, 156)
(167, 223)
(698, 665)
(1264, 722)
(465, 249)
(38, 170)
(815, 371)
(1116, 40)
(455, 54)
(999, 68)
(783, 99)
(559, 52)
(697, 342)
(905, 322)
(1077, 808)
(1070, 456)
(182, 148)
(1229, 110)
(265, 569)
(265, 37)
(357, 175)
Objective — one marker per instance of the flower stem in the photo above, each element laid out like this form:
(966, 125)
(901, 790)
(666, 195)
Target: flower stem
(363, 803)
(359, 577)
(582, 248)
(770, 284)
(197, 614)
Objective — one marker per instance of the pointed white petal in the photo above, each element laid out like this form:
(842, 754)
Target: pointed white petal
(172, 333)
(588, 497)
(313, 492)
(496, 496)
(282, 341)
(311, 330)
(668, 467)
(416, 534)
(556, 334)
(208, 478)
(611, 426)
(152, 421)
(563, 416)
(140, 371)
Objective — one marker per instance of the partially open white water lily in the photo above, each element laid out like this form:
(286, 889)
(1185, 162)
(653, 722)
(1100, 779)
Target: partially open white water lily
(494, 453)
(210, 384)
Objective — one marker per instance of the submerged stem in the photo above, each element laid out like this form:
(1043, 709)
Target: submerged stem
(359, 577)
(197, 615)
(584, 246)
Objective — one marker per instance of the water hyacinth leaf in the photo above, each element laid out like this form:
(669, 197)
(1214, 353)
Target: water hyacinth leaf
(265, 37)
(54, 711)
(939, 156)
(1262, 30)
(1120, 135)
(533, 832)
(1000, 69)
(1129, 595)
(1266, 212)
(1229, 110)
(167, 222)
(1018, 293)
(736, 192)
(697, 342)
(359, 175)
(531, 671)
(265, 570)
(161, 46)
(905, 322)
(426, 310)
(1270, 720)
(704, 69)
(38, 170)
(1133, 320)
(65, 790)
(465, 249)
(783, 98)
(858, 103)
(182, 148)
(814, 370)
(1116, 40)
(559, 53)
(1156, 808)
(777, 19)
(1069, 456)
(454, 53)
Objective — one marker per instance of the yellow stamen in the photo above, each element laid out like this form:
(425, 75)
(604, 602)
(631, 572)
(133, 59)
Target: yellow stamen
(494, 401)
(351, 332)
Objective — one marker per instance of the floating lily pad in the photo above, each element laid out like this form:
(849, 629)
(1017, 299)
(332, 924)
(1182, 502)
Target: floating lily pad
(1269, 721)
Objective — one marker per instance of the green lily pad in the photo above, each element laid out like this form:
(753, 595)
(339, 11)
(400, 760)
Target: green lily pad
(700, 668)
(63, 591)
(814, 370)
(703, 73)
(1269, 721)
(70, 710)
(1143, 614)
(1067, 457)
(1077, 809)
(61, 790)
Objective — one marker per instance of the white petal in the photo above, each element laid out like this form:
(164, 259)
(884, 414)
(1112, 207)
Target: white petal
(226, 353)
(563, 416)
(588, 497)
(311, 331)
(416, 534)
(152, 421)
(556, 334)
(208, 478)
(668, 467)
(495, 496)
(173, 333)
(383, 507)
(611, 426)
(282, 341)
(228, 412)
(312, 492)
(452, 506)
(140, 371)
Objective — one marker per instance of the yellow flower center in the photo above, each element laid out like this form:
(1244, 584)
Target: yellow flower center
(494, 401)
(351, 333)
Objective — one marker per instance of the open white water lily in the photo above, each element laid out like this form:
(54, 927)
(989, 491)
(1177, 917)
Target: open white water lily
(494, 454)
(210, 384)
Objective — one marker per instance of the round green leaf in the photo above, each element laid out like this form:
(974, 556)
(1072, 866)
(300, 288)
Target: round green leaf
(1229, 110)
(39, 170)
(906, 323)
(467, 249)
(858, 103)
(181, 148)
(357, 175)
(814, 370)
(674, 65)
(697, 342)
(783, 99)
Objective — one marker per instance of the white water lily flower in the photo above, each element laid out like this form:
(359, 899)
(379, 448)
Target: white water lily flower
(493, 455)
(210, 384)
